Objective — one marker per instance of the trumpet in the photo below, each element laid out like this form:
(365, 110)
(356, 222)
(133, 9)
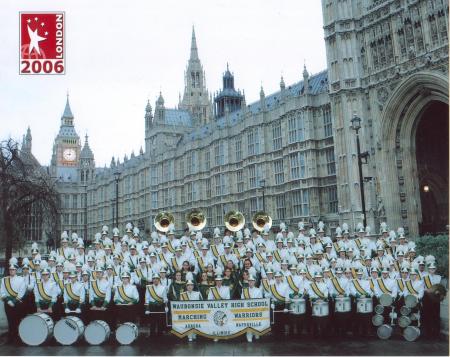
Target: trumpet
(163, 220)
(260, 220)
(234, 221)
(196, 220)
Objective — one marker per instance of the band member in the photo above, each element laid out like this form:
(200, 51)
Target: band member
(74, 295)
(12, 291)
(431, 303)
(318, 292)
(219, 291)
(45, 293)
(177, 287)
(279, 294)
(203, 285)
(188, 295)
(251, 292)
(126, 299)
(155, 302)
(99, 297)
(339, 287)
(360, 288)
(29, 306)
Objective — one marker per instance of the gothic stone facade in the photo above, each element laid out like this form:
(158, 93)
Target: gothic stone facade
(385, 61)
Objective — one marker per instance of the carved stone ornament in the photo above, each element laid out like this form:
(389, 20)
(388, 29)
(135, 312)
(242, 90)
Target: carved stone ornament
(382, 94)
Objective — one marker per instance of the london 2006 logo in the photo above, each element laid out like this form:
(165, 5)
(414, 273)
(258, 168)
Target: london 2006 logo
(42, 43)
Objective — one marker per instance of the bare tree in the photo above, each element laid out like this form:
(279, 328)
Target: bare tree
(25, 189)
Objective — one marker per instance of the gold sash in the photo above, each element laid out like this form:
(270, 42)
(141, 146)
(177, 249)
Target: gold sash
(184, 296)
(400, 284)
(291, 283)
(71, 294)
(170, 247)
(338, 286)
(43, 293)
(9, 288)
(354, 273)
(196, 253)
(191, 243)
(139, 273)
(276, 294)
(61, 252)
(277, 256)
(175, 264)
(224, 260)
(32, 266)
(358, 287)
(266, 285)
(215, 251)
(358, 243)
(411, 289)
(215, 292)
(246, 293)
(154, 295)
(97, 290)
(123, 295)
(317, 290)
(308, 274)
(201, 264)
(336, 247)
(260, 258)
(383, 287)
(372, 287)
(427, 281)
(163, 258)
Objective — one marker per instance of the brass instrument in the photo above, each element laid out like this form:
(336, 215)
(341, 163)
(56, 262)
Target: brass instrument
(260, 220)
(234, 221)
(195, 220)
(438, 290)
(163, 220)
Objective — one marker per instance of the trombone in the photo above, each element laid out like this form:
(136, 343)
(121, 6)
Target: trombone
(195, 220)
(234, 221)
(261, 220)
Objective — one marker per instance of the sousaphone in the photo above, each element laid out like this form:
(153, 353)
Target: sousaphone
(234, 221)
(260, 220)
(163, 220)
(195, 220)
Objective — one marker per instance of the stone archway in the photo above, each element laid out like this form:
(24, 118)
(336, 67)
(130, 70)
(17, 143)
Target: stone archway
(397, 163)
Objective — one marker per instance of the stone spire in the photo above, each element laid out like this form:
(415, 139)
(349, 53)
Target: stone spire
(67, 111)
(194, 50)
(262, 98)
(282, 84)
(148, 115)
(305, 80)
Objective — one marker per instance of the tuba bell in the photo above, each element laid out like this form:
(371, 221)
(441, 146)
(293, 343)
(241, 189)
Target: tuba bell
(163, 220)
(234, 221)
(196, 220)
(260, 220)
(438, 291)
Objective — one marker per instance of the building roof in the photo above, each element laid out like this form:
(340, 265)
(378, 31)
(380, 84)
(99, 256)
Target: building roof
(86, 152)
(177, 117)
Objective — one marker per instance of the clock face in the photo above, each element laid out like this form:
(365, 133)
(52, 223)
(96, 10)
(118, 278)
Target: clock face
(69, 155)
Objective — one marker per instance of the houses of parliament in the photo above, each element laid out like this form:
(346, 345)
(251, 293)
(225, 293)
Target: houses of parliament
(292, 153)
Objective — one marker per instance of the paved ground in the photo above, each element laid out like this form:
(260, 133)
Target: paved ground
(170, 345)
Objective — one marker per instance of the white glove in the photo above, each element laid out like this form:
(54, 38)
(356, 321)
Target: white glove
(10, 303)
(286, 311)
(166, 309)
(78, 310)
(272, 306)
(147, 312)
(66, 310)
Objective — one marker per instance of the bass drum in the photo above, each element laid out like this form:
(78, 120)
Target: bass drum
(364, 305)
(68, 330)
(386, 300)
(97, 332)
(384, 331)
(36, 329)
(298, 306)
(127, 333)
(320, 308)
(411, 333)
(343, 304)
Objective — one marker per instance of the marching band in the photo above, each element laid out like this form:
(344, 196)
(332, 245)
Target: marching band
(318, 286)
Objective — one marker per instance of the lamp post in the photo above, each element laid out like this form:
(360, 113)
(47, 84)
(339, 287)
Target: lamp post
(262, 184)
(117, 178)
(356, 125)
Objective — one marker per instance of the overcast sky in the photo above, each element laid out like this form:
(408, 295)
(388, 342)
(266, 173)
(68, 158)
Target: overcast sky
(119, 53)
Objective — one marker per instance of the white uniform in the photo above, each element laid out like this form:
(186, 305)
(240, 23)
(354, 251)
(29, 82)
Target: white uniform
(77, 289)
(130, 291)
(223, 292)
(17, 285)
(50, 288)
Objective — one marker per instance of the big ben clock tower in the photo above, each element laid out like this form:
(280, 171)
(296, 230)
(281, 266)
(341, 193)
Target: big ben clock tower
(66, 149)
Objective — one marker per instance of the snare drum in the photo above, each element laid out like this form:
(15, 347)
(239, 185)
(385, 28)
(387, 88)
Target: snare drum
(127, 333)
(68, 330)
(97, 332)
(36, 329)
(364, 305)
(343, 304)
(298, 306)
(411, 301)
(320, 308)
(384, 331)
(386, 300)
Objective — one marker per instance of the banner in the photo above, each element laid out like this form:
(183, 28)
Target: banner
(222, 319)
